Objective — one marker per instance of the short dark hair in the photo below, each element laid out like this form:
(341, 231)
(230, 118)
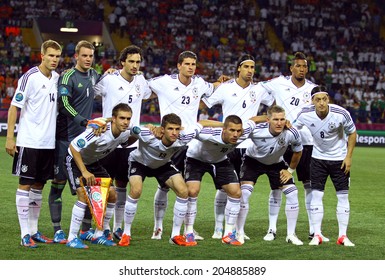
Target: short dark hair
(171, 119)
(318, 89)
(298, 56)
(121, 107)
(241, 60)
(133, 49)
(232, 119)
(186, 54)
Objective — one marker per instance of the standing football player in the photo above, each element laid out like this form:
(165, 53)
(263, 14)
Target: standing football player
(33, 152)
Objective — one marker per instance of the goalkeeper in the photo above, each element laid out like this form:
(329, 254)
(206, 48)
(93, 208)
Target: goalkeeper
(75, 106)
(82, 160)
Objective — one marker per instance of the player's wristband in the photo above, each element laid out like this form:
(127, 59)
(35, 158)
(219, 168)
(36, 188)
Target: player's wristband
(291, 170)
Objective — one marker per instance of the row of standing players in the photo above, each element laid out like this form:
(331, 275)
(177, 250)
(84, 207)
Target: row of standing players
(179, 94)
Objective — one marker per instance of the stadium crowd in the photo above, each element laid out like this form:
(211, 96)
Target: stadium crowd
(341, 39)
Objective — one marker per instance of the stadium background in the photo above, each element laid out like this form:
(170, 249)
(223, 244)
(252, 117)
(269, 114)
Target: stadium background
(344, 42)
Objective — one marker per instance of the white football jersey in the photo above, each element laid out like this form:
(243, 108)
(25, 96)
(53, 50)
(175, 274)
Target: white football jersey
(243, 102)
(36, 96)
(175, 97)
(211, 148)
(93, 148)
(152, 153)
(269, 149)
(236, 100)
(330, 133)
(292, 99)
(115, 89)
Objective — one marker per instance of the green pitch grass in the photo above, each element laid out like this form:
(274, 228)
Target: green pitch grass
(366, 229)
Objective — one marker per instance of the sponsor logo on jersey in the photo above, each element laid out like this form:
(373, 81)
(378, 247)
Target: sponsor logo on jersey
(177, 89)
(19, 96)
(121, 88)
(43, 87)
(81, 143)
(80, 85)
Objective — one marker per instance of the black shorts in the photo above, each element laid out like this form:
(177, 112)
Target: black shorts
(162, 174)
(251, 169)
(223, 172)
(73, 173)
(116, 163)
(36, 165)
(178, 159)
(61, 150)
(235, 158)
(321, 169)
(303, 167)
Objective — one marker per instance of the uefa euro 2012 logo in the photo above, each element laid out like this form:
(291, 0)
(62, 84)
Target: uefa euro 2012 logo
(96, 196)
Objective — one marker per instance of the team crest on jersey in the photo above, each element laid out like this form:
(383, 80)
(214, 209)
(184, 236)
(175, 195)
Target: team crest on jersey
(195, 93)
(137, 88)
(19, 97)
(281, 142)
(24, 168)
(306, 98)
(253, 96)
(332, 126)
(81, 143)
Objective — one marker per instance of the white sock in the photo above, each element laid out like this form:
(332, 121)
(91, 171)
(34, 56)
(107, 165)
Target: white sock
(317, 210)
(343, 212)
(275, 199)
(22, 207)
(233, 206)
(35, 199)
(76, 219)
(160, 207)
(129, 213)
(307, 205)
(219, 208)
(108, 216)
(291, 208)
(180, 209)
(244, 207)
(191, 214)
(121, 194)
